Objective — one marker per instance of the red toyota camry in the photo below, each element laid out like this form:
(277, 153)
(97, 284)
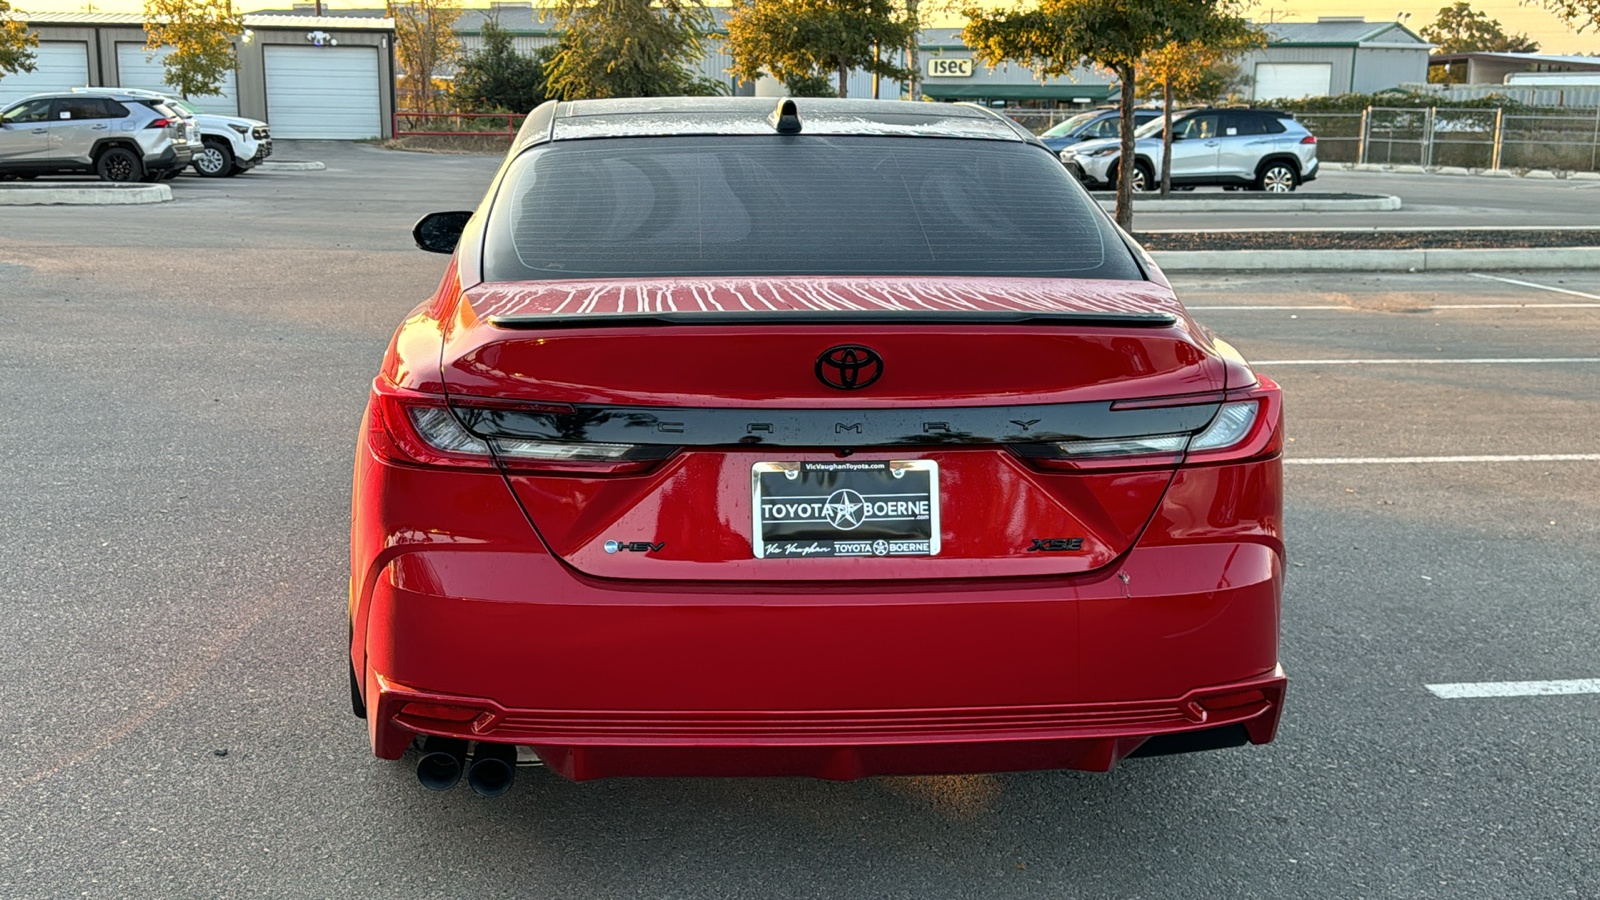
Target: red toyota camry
(806, 437)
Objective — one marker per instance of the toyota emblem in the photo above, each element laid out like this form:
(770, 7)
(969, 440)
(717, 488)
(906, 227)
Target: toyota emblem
(849, 367)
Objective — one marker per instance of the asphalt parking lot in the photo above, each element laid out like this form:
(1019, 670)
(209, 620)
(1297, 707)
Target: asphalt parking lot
(1428, 201)
(183, 383)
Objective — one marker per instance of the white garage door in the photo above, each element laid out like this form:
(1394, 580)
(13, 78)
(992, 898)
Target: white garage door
(323, 92)
(1275, 81)
(141, 68)
(58, 66)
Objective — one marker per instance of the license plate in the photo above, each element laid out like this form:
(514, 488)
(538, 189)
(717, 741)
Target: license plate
(805, 510)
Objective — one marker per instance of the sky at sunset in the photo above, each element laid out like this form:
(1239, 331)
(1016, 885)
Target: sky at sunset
(1552, 35)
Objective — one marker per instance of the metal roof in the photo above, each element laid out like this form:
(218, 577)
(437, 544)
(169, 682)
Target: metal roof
(667, 116)
(1341, 32)
(1587, 62)
(251, 20)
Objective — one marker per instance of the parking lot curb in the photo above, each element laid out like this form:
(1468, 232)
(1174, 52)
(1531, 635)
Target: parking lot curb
(289, 165)
(1398, 169)
(87, 194)
(1446, 260)
(1252, 204)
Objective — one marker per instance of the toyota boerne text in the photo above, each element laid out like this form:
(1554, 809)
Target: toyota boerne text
(806, 437)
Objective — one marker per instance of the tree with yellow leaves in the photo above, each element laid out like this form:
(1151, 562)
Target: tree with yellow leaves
(1180, 68)
(16, 43)
(200, 34)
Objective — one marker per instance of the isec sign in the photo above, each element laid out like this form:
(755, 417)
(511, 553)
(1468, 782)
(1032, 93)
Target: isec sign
(949, 67)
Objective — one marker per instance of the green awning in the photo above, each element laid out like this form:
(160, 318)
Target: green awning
(1090, 92)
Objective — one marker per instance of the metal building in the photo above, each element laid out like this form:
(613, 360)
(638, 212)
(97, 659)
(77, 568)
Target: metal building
(310, 77)
(1335, 55)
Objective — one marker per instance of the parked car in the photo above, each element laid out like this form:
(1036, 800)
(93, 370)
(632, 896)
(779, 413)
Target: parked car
(1262, 149)
(1095, 124)
(114, 136)
(229, 145)
(820, 437)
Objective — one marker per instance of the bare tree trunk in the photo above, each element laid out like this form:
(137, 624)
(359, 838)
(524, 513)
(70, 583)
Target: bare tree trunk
(875, 59)
(1126, 165)
(844, 76)
(911, 55)
(1166, 135)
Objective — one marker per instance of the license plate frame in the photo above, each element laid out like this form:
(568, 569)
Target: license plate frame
(808, 511)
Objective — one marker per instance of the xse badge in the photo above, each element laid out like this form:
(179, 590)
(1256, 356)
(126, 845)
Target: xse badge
(1055, 545)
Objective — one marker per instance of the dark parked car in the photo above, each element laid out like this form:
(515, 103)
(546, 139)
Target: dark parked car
(1092, 125)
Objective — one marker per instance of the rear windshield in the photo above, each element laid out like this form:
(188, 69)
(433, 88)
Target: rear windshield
(811, 205)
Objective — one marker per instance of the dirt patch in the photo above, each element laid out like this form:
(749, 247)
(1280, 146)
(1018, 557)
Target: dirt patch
(1367, 240)
(473, 145)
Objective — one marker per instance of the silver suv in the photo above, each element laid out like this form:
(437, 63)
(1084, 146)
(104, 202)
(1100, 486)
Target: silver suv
(1263, 149)
(117, 137)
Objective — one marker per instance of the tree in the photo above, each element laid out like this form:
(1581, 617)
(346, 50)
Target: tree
(1462, 29)
(16, 43)
(1055, 37)
(424, 41)
(1580, 15)
(497, 78)
(201, 34)
(629, 48)
(797, 41)
(1194, 69)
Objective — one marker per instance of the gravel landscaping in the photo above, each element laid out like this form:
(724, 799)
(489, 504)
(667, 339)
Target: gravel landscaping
(1443, 239)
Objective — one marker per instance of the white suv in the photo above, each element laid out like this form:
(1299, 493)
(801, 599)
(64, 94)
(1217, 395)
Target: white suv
(1262, 149)
(228, 144)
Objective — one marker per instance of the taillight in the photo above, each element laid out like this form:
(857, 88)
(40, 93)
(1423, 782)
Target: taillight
(159, 123)
(1309, 139)
(1247, 425)
(420, 429)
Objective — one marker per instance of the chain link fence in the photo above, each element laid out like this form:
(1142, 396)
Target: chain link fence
(1563, 139)
(1039, 121)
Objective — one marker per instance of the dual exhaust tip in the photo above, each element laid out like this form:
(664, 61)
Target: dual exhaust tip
(493, 768)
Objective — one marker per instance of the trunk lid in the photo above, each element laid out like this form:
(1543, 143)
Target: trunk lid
(737, 375)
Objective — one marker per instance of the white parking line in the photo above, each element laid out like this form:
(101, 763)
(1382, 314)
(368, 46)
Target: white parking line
(1484, 361)
(1515, 306)
(1438, 306)
(1473, 689)
(1535, 284)
(1381, 460)
(1256, 308)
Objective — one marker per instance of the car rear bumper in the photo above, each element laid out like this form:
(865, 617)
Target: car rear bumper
(846, 744)
(169, 159)
(614, 678)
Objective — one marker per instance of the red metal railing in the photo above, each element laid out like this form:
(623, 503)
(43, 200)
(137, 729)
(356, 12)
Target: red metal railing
(407, 124)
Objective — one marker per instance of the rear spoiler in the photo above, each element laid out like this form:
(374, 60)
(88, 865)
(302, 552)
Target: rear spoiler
(840, 317)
